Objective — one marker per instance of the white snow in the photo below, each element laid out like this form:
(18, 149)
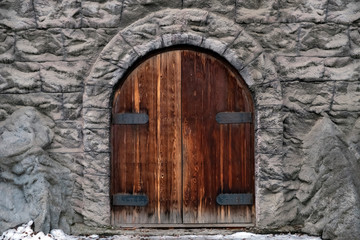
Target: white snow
(25, 232)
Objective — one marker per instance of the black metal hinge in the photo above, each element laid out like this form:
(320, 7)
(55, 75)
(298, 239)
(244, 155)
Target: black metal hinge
(130, 118)
(234, 199)
(130, 200)
(233, 117)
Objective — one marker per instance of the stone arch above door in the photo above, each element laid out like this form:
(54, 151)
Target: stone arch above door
(173, 27)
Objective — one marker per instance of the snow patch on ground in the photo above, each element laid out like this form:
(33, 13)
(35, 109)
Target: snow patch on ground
(25, 232)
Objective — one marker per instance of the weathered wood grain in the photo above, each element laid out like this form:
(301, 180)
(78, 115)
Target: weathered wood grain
(146, 159)
(182, 159)
(217, 157)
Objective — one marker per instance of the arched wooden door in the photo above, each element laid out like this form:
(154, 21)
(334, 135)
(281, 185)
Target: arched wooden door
(182, 138)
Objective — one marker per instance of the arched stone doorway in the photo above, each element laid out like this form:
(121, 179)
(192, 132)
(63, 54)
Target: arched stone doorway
(182, 143)
(193, 28)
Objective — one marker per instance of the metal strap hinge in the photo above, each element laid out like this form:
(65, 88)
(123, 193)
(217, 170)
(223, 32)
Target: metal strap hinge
(130, 118)
(233, 117)
(130, 200)
(234, 199)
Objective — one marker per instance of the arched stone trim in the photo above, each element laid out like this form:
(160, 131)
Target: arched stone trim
(163, 29)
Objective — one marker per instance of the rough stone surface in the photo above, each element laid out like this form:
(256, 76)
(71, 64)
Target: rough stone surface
(63, 59)
(35, 185)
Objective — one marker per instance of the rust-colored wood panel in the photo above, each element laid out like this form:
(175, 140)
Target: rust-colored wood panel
(217, 158)
(146, 159)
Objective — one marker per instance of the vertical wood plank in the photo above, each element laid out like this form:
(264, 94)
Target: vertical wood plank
(221, 151)
(146, 159)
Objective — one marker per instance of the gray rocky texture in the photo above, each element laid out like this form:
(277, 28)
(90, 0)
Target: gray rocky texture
(17, 14)
(343, 11)
(324, 40)
(300, 59)
(330, 184)
(62, 76)
(62, 14)
(322, 158)
(20, 78)
(256, 11)
(35, 185)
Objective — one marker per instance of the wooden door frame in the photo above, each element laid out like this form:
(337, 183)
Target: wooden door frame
(249, 95)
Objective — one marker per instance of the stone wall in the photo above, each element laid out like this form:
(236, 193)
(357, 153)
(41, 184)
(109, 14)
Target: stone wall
(59, 62)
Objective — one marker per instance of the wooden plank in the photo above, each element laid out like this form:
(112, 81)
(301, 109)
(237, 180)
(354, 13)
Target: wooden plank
(189, 106)
(169, 130)
(187, 225)
(146, 159)
(215, 158)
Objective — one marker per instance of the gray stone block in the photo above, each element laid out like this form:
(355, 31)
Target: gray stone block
(261, 70)
(96, 118)
(63, 14)
(72, 105)
(323, 40)
(63, 76)
(97, 14)
(246, 48)
(97, 163)
(306, 97)
(96, 140)
(97, 211)
(181, 38)
(74, 161)
(348, 122)
(343, 11)
(223, 7)
(354, 42)
(274, 215)
(269, 141)
(346, 97)
(304, 68)
(20, 77)
(269, 116)
(86, 43)
(95, 184)
(218, 47)
(140, 34)
(7, 44)
(302, 11)
(48, 103)
(119, 49)
(346, 68)
(268, 94)
(270, 167)
(136, 9)
(68, 136)
(15, 17)
(256, 11)
(223, 29)
(105, 73)
(97, 96)
(281, 39)
(96, 200)
(39, 45)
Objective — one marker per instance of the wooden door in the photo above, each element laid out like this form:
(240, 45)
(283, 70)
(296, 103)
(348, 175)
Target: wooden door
(179, 155)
